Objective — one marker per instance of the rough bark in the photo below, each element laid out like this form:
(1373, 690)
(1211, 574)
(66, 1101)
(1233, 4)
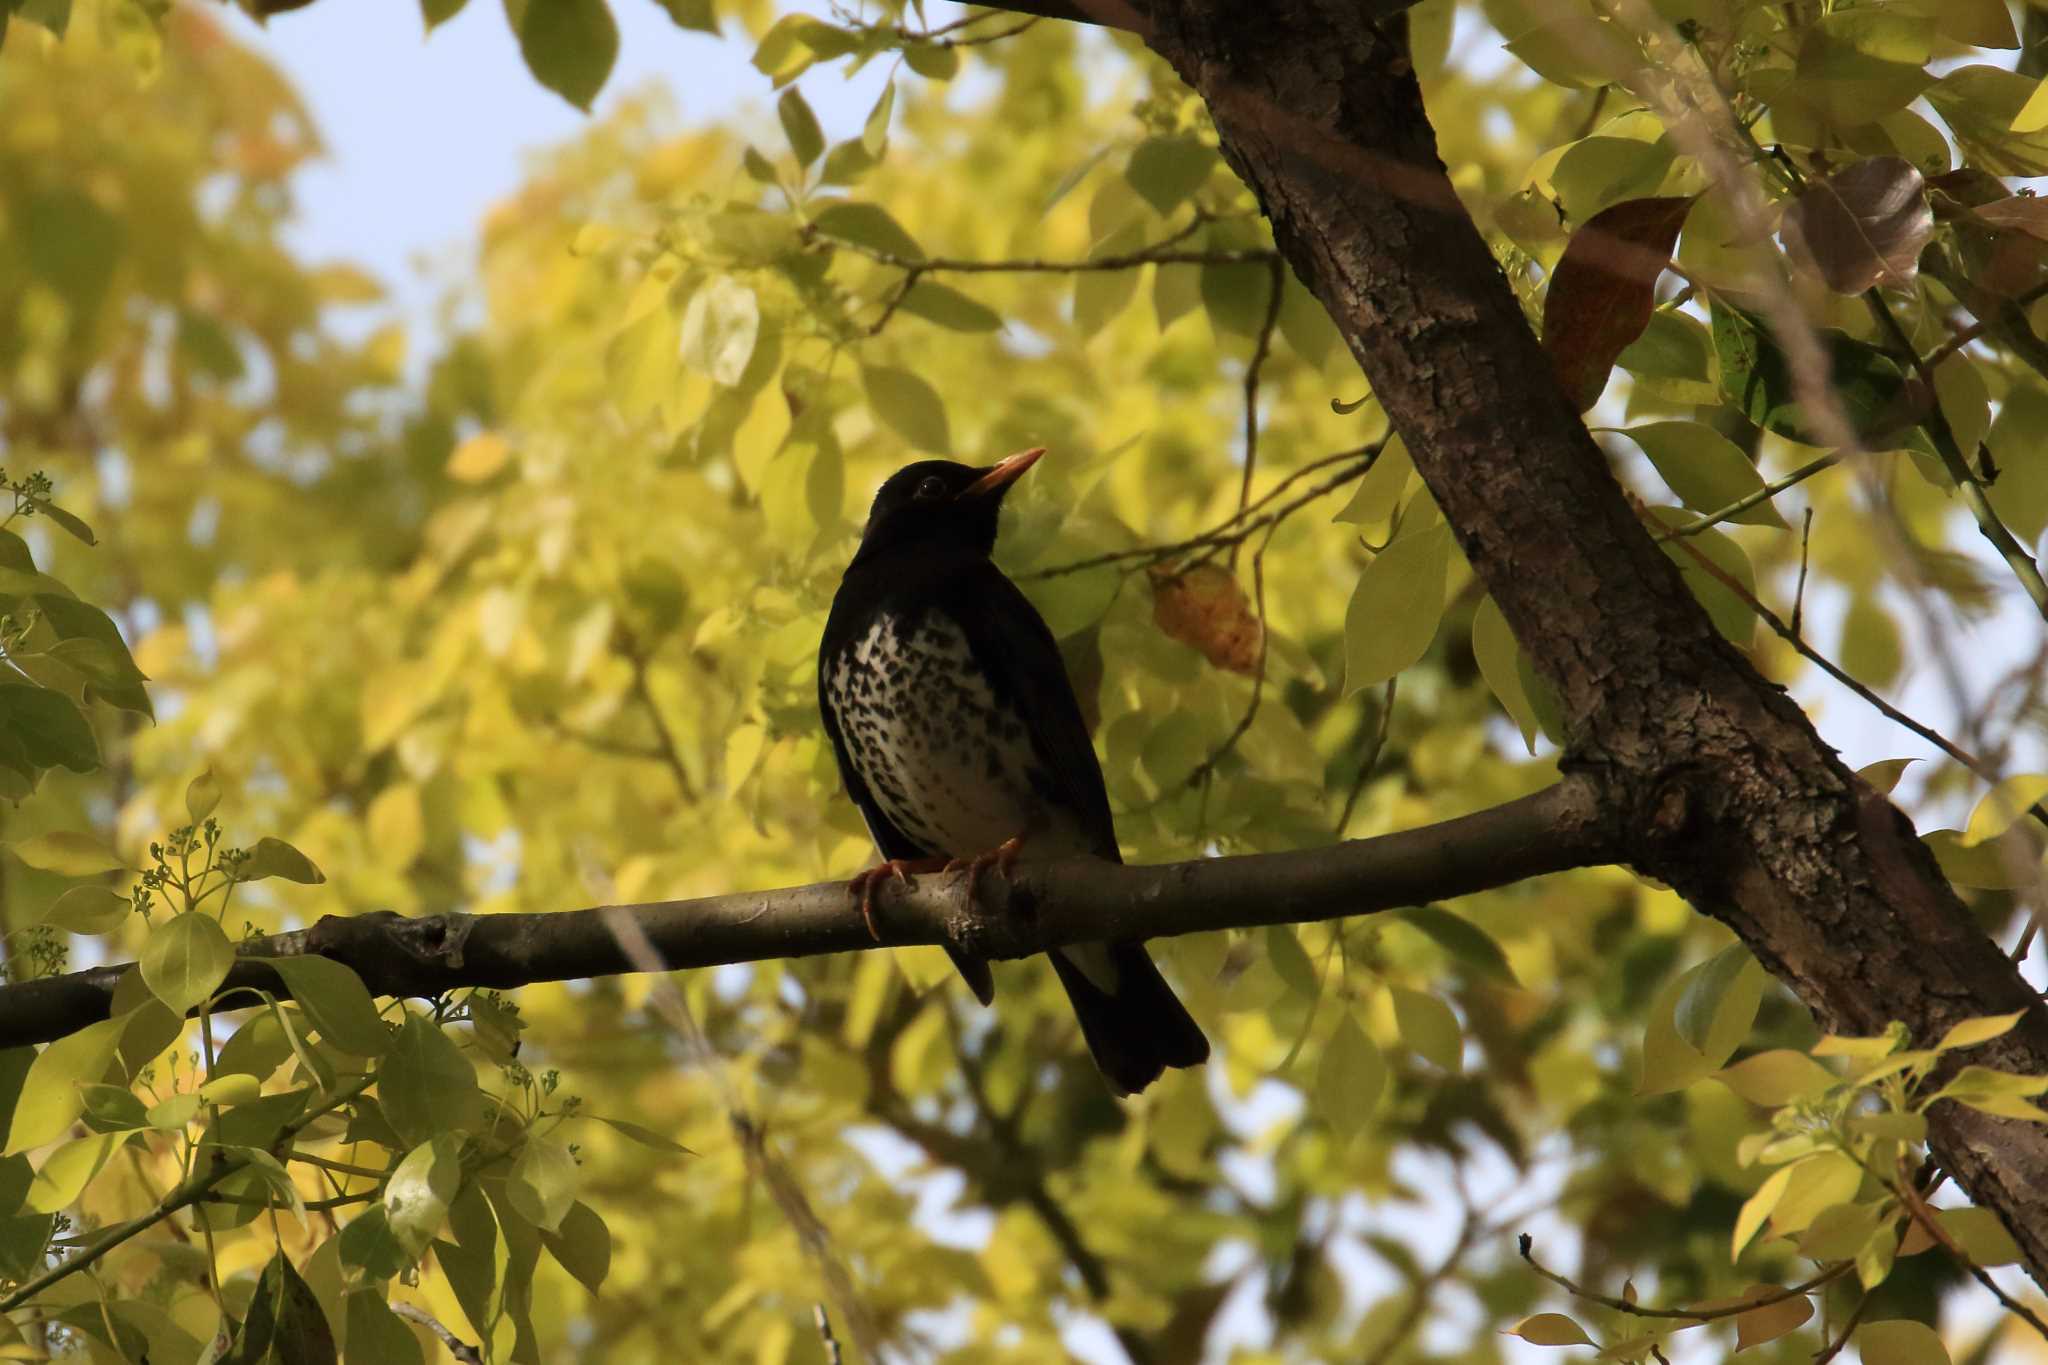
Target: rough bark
(1727, 790)
(1042, 905)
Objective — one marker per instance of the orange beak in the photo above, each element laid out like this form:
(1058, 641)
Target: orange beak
(1005, 473)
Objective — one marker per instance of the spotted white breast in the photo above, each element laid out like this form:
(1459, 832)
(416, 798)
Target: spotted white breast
(948, 762)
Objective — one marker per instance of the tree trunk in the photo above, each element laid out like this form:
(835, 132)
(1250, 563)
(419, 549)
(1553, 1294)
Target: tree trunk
(1732, 796)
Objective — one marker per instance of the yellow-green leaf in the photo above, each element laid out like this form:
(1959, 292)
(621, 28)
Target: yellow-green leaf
(186, 959)
(1396, 608)
(1429, 1026)
(1900, 1342)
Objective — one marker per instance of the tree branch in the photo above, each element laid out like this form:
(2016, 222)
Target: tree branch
(1041, 906)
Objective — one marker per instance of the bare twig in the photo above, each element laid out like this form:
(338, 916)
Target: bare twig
(1916, 1205)
(1828, 1274)
(1275, 280)
(457, 1347)
(823, 1322)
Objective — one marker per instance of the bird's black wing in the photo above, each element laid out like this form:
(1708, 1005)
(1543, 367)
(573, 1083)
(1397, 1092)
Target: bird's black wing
(890, 841)
(1015, 650)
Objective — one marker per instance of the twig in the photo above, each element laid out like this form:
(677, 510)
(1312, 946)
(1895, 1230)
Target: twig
(1744, 503)
(1275, 280)
(1128, 260)
(1957, 461)
(1370, 759)
(1799, 593)
(1207, 768)
(824, 1325)
(1228, 532)
(1834, 1348)
(1916, 1205)
(1828, 1274)
(457, 1347)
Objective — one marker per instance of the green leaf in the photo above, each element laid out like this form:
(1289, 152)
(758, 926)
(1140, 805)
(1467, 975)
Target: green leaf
(276, 858)
(337, 1002)
(909, 405)
(582, 1245)
(1349, 1079)
(1900, 1342)
(697, 15)
(1550, 1329)
(719, 330)
(800, 126)
(2005, 863)
(1430, 1027)
(543, 1182)
(1497, 654)
(797, 41)
(67, 854)
(646, 1137)
(88, 910)
(1777, 1077)
(1099, 295)
(185, 959)
(44, 729)
(1669, 1061)
(1706, 469)
(1981, 1235)
(1706, 988)
(931, 61)
(421, 1187)
(569, 45)
(376, 1335)
(1290, 963)
(870, 226)
(1463, 940)
(369, 1244)
(65, 1172)
(202, 794)
(425, 1084)
(845, 164)
(1731, 613)
(286, 1325)
(951, 309)
(1167, 170)
(2004, 806)
(874, 131)
(439, 12)
(1973, 1032)
(1757, 379)
(1396, 607)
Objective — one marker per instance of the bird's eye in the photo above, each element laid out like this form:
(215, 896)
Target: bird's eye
(932, 489)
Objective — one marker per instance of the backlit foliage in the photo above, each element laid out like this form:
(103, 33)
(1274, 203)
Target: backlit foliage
(527, 620)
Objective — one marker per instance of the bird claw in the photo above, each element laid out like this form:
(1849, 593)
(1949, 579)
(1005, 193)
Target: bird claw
(864, 884)
(1003, 858)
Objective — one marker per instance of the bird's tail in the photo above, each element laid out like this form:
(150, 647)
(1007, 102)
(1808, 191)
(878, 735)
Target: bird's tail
(1137, 1030)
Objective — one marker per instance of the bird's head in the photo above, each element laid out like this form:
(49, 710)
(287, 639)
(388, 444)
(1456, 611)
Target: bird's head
(937, 504)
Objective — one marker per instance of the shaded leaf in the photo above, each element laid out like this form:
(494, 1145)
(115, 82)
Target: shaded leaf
(949, 308)
(67, 854)
(800, 126)
(337, 1002)
(1396, 608)
(582, 1245)
(909, 405)
(1462, 939)
(1550, 1329)
(569, 45)
(1706, 469)
(425, 1085)
(1900, 1342)
(1864, 225)
(868, 225)
(1349, 1079)
(1167, 170)
(88, 910)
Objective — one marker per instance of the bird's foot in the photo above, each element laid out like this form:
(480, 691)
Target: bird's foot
(1003, 857)
(864, 883)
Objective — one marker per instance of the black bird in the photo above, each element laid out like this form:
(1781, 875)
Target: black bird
(960, 739)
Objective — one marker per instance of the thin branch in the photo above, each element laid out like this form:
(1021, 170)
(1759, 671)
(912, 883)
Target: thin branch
(1916, 1205)
(1834, 1348)
(1042, 905)
(457, 1347)
(1761, 495)
(1371, 758)
(1275, 280)
(1228, 532)
(1127, 260)
(1957, 461)
(187, 1192)
(1701, 1314)
(824, 1326)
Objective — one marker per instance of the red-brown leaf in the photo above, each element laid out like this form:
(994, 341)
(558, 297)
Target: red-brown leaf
(1206, 609)
(1604, 289)
(2016, 213)
(1864, 225)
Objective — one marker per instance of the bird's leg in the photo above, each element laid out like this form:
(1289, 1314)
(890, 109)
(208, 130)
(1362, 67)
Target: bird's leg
(864, 883)
(1003, 857)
